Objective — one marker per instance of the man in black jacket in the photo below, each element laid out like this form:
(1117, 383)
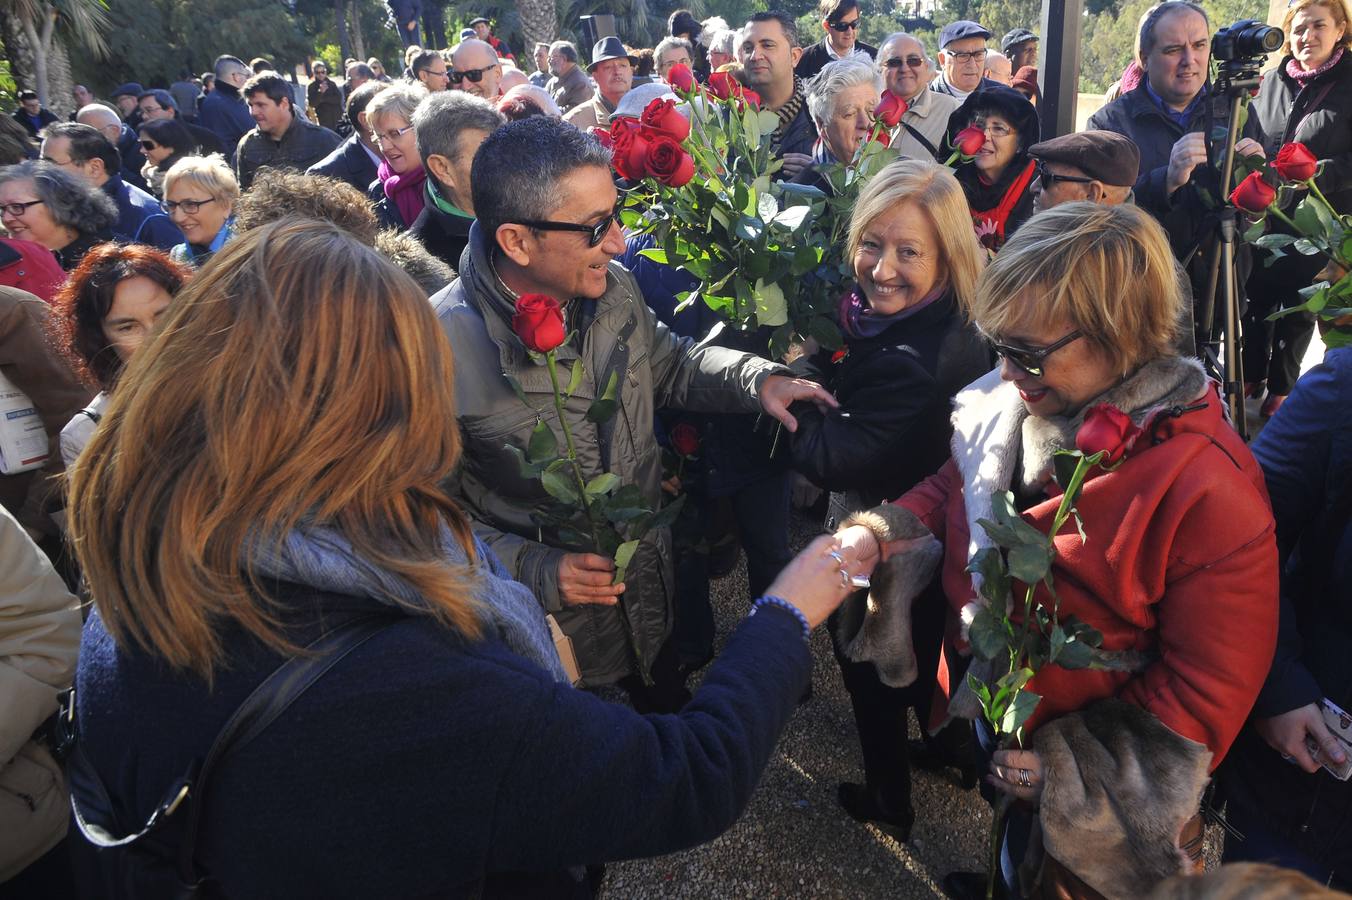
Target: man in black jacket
(449, 126)
(840, 21)
(770, 50)
(282, 139)
(31, 114)
(356, 159)
(160, 104)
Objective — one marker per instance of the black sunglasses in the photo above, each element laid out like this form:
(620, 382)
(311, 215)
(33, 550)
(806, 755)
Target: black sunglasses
(1028, 359)
(844, 26)
(896, 62)
(474, 75)
(595, 233)
(1049, 179)
(148, 145)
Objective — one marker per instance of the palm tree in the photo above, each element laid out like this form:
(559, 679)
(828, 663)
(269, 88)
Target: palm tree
(84, 20)
(538, 23)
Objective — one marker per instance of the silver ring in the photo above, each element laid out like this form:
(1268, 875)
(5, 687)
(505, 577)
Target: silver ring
(840, 560)
(844, 578)
(1025, 779)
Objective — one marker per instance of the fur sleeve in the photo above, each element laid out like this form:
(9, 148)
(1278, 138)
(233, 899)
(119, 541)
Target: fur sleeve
(1119, 788)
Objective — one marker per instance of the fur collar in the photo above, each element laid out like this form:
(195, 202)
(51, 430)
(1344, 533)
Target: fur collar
(993, 435)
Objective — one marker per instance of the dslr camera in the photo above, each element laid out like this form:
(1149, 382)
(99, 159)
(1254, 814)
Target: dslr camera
(1248, 40)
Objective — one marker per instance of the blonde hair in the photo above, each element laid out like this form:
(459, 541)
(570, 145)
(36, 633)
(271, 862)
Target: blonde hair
(1337, 8)
(396, 100)
(266, 400)
(210, 173)
(933, 188)
(1107, 270)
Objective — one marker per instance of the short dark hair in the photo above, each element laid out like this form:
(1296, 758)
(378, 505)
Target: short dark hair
(439, 121)
(224, 63)
(424, 60)
(27, 95)
(683, 22)
(169, 133)
(259, 65)
(519, 168)
(86, 143)
(270, 84)
(1152, 21)
(361, 70)
(785, 21)
(358, 100)
(835, 10)
(161, 97)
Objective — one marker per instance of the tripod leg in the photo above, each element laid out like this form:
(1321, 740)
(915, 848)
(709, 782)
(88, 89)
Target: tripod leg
(1234, 358)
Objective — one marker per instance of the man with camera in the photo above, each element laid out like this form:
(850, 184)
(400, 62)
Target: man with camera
(1168, 117)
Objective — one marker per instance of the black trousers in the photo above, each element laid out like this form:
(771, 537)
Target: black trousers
(1273, 350)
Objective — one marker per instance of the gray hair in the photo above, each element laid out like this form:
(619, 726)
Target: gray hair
(724, 41)
(226, 64)
(361, 70)
(672, 43)
(397, 100)
(520, 169)
(904, 35)
(443, 117)
(564, 47)
(72, 202)
(835, 77)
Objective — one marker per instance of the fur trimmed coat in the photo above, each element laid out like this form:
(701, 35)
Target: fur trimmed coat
(1179, 573)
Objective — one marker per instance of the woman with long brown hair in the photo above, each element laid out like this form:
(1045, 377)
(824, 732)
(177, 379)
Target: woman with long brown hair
(298, 435)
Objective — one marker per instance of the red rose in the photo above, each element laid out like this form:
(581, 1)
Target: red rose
(1253, 194)
(685, 439)
(890, 110)
(603, 135)
(668, 163)
(884, 138)
(681, 78)
(969, 141)
(630, 152)
(1108, 430)
(751, 98)
(724, 86)
(1295, 162)
(662, 117)
(539, 322)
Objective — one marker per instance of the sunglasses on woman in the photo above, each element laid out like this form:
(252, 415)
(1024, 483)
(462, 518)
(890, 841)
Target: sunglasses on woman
(149, 145)
(1031, 359)
(595, 233)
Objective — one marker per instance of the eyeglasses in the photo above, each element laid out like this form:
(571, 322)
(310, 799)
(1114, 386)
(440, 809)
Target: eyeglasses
(896, 62)
(188, 206)
(962, 56)
(389, 137)
(1031, 360)
(1050, 178)
(149, 145)
(843, 27)
(18, 209)
(994, 129)
(595, 233)
(442, 74)
(474, 75)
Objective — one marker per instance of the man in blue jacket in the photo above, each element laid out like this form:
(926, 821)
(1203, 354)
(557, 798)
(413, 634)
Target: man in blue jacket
(771, 49)
(224, 110)
(82, 150)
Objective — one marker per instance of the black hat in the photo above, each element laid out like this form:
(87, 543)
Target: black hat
(1110, 157)
(1004, 101)
(477, 20)
(963, 28)
(130, 89)
(1015, 38)
(609, 48)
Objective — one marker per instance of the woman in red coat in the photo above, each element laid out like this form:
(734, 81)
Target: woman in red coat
(1178, 569)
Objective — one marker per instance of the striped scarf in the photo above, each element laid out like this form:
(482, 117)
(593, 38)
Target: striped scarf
(787, 113)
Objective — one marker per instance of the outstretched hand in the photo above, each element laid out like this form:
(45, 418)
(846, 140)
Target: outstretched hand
(779, 392)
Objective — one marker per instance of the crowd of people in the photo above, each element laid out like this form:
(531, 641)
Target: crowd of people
(271, 472)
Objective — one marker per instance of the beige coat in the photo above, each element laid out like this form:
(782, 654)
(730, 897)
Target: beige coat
(39, 643)
(595, 113)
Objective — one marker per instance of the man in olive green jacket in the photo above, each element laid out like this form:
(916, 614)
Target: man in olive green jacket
(544, 198)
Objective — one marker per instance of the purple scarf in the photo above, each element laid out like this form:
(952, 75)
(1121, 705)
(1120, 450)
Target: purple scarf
(1301, 76)
(404, 190)
(858, 320)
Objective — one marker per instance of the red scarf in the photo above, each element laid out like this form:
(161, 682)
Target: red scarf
(990, 223)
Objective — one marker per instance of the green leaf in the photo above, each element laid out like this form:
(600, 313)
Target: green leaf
(826, 332)
(749, 229)
(987, 634)
(1018, 712)
(666, 516)
(767, 207)
(603, 407)
(1306, 218)
(602, 484)
(1306, 248)
(771, 307)
(989, 563)
(516, 388)
(1255, 231)
(983, 695)
(1056, 643)
(1076, 655)
(1006, 514)
(1273, 241)
(792, 217)
(656, 255)
(560, 485)
(1030, 563)
(575, 378)
(528, 469)
(543, 446)
(1065, 463)
(625, 553)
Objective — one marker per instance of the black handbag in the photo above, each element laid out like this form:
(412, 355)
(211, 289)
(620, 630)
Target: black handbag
(157, 860)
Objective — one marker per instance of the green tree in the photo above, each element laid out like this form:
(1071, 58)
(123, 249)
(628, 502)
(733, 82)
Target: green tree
(85, 22)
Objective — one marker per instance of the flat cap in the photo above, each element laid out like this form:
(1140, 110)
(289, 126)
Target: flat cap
(131, 87)
(1110, 157)
(1014, 38)
(963, 28)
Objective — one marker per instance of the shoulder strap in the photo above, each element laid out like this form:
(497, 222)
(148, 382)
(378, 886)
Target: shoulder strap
(259, 710)
(924, 142)
(1311, 107)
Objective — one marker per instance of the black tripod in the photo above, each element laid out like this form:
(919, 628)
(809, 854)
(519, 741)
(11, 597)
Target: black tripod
(1222, 341)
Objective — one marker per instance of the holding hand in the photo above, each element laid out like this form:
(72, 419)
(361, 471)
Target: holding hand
(818, 579)
(1188, 153)
(1019, 774)
(1286, 734)
(585, 578)
(778, 392)
(795, 163)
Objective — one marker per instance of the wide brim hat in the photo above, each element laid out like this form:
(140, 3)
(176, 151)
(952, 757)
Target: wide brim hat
(609, 48)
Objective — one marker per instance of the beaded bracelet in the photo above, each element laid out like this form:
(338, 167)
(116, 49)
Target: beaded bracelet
(770, 600)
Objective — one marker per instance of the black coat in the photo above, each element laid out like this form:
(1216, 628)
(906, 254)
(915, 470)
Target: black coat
(443, 235)
(45, 118)
(1286, 113)
(348, 162)
(207, 141)
(815, 58)
(982, 197)
(896, 394)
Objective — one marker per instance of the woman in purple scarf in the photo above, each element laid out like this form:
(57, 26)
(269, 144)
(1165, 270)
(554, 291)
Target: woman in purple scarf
(398, 189)
(908, 349)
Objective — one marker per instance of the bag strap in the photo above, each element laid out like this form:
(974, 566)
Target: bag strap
(1311, 108)
(924, 141)
(260, 709)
